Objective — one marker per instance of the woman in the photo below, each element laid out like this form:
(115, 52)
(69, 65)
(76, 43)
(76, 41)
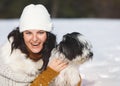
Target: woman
(26, 54)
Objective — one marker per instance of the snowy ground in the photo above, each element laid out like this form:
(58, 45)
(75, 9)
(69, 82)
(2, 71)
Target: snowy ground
(104, 69)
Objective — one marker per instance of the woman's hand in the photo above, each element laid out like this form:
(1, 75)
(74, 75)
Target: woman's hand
(57, 64)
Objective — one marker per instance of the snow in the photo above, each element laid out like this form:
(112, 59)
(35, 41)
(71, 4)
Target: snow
(104, 68)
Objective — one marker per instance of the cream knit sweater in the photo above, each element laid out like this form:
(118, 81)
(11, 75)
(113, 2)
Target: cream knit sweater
(9, 62)
(11, 78)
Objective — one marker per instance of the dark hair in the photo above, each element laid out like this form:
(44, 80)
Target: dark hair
(18, 43)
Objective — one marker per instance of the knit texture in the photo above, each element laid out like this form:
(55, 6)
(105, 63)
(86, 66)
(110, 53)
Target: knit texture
(10, 78)
(45, 77)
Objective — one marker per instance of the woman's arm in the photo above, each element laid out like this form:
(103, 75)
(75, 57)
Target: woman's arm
(53, 69)
(45, 77)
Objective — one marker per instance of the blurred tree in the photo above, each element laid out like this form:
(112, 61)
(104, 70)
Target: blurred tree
(55, 8)
(13, 8)
(72, 8)
(65, 8)
(103, 8)
(116, 9)
(4, 5)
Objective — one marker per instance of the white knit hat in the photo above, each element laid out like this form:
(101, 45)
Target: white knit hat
(35, 17)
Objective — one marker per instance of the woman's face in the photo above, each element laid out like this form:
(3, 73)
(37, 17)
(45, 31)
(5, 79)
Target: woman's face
(34, 39)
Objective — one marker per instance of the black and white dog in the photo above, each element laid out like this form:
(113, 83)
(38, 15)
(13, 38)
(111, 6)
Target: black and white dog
(74, 49)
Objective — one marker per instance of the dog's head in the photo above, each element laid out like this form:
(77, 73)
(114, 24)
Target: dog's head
(75, 48)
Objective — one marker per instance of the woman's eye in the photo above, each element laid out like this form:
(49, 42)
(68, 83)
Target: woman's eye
(28, 33)
(41, 32)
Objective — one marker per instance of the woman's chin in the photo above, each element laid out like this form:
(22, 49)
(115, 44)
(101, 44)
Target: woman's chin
(36, 50)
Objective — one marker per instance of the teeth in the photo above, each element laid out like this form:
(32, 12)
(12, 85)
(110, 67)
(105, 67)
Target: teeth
(35, 44)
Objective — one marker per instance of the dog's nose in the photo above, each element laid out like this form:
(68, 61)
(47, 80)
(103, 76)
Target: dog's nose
(91, 54)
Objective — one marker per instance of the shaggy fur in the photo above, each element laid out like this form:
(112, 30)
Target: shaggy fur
(74, 49)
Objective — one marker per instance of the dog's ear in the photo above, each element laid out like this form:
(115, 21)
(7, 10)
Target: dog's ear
(70, 46)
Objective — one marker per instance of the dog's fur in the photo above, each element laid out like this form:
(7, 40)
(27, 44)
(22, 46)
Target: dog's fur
(75, 50)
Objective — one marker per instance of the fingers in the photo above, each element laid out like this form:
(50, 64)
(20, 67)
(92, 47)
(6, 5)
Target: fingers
(60, 65)
(57, 65)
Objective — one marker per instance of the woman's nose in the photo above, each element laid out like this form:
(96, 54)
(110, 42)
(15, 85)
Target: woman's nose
(35, 38)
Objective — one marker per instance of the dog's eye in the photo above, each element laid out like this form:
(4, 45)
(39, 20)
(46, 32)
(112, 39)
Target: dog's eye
(64, 38)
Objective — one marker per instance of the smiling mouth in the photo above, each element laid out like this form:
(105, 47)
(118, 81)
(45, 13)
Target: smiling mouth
(35, 44)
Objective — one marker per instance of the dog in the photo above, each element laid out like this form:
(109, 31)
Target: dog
(74, 49)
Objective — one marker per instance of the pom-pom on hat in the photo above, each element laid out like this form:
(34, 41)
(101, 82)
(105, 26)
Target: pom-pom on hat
(35, 17)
